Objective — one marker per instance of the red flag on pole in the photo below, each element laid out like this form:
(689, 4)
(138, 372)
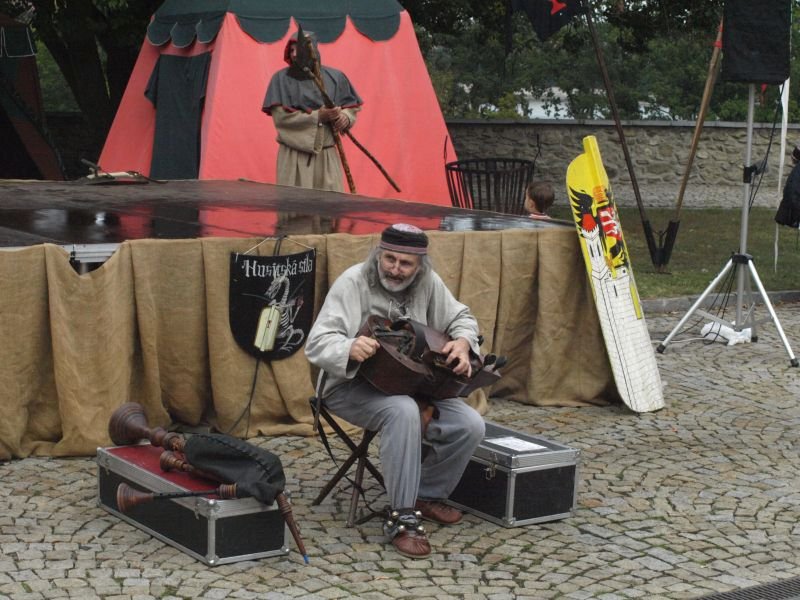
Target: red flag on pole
(547, 16)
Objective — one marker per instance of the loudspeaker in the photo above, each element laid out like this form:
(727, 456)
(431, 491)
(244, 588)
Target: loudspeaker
(755, 41)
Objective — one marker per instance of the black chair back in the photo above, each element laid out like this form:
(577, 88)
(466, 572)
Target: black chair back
(494, 184)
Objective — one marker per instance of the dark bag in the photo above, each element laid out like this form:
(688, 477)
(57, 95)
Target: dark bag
(789, 210)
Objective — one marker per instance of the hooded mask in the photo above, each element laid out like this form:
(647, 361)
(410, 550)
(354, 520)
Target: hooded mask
(307, 56)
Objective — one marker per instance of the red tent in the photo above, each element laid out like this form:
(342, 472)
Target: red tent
(372, 41)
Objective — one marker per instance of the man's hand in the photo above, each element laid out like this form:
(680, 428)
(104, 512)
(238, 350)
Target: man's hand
(457, 352)
(363, 347)
(335, 117)
(327, 115)
(341, 124)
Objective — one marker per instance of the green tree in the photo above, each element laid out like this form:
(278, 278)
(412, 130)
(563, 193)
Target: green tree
(55, 92)
(641, 21)
(480, 56)
(657, 53)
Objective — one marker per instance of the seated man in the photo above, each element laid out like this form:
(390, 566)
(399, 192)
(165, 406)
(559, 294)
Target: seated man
(397, 281)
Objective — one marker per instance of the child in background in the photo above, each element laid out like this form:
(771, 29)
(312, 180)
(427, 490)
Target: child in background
(539, 197)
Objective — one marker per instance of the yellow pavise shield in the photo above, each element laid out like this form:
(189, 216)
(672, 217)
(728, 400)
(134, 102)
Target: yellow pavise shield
(608, 265)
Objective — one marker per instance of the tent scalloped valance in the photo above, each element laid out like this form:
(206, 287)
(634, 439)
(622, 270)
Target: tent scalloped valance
(268, 20)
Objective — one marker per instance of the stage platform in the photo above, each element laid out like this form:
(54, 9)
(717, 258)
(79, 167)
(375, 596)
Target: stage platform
(150, 322)
(35, 212)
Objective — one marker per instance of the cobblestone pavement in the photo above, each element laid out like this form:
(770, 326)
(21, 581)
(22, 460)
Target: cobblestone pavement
(701, 497)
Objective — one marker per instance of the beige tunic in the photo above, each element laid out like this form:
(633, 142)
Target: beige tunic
(307, 156)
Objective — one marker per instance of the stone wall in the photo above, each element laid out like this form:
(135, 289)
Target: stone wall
(659, 151)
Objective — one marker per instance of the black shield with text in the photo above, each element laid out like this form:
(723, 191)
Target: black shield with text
(271, 302)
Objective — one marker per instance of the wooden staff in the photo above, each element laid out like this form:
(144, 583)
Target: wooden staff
(373, 159)
(337, 139)
(665, 251)
(317, 79)
(601, 61)
(713, 68)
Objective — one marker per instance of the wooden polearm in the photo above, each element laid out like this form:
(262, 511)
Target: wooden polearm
(665, 251)
(648, 230)
(329, 104)
(310, 57)
(713, 70)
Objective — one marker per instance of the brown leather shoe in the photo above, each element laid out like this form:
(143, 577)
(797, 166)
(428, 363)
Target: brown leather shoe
(439, 512)
(412, 544)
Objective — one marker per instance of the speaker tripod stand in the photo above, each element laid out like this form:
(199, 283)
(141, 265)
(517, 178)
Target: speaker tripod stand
(736, 262)
(742, 264)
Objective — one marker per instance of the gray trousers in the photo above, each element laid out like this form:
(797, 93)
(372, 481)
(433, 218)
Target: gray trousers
(453, 438)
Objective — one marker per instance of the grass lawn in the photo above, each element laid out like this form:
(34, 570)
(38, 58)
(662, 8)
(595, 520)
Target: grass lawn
(706, 238)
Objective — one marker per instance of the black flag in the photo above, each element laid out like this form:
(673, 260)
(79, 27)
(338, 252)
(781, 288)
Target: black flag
(547, 16)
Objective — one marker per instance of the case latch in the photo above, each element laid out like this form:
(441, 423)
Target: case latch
(490, 470)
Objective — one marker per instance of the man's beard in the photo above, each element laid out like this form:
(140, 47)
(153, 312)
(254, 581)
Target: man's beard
(393, 285)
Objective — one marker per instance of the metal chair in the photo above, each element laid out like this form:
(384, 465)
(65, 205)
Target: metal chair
(495, 184)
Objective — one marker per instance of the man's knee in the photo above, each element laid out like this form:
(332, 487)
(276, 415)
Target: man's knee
(468, 424)
(403, 409)
(475, 426)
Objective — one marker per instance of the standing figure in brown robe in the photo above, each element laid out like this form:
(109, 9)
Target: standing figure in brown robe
(307, 156)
